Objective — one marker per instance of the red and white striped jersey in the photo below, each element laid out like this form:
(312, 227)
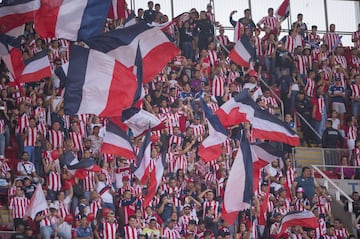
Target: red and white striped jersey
(351, 132)
(54, 181)
(354, 62)
(95, 205)
(211, 16)
(77, 140)
(341, 60)
(354, 36)
(355, 90)
(232, 76)
(341, 233)
(301, 64)
(321, 229)
(290, 176)
(56, 138)
(66, 119)
(290, 44)
(258, 45)
(171, 162)
(185, 219)
(330, 39)
(214, 204)
(48, 221)
(42, 129)
(22, 123)
(308, 62)
(270, 49)
(329, 237)
(310, 87)
(212, 56)
(341, 76)
(213, 106)
(31, 135)
(222, 39)
(198, 130)
(124, 188)
(64, 207)
(171, 233)
(40, 114)
(270, 101)
(109, 231)
(173, 120)
(4, 168)
(314, 38)
(18, 206)
(281, 210)
(299, 204)
(89, 182)
(357, 156)
(271, 22)
(228, 144)
(175, 139)
(218, 86)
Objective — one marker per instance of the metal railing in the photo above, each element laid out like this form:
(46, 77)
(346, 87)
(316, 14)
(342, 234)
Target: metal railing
(308, 124)
(339, 192)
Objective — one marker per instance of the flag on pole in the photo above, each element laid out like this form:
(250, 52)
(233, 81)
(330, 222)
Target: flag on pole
(36, 68)
(154, 182)
(239, 187)
(284, 10)
(144, 158)
(302, 218)
(37, 204)
(242, 53)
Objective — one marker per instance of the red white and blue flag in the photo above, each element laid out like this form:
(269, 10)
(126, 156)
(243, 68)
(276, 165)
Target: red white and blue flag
(36, 68)
(97, 84)
(302, 218)
(74, 20)
(239, 186)
(156, 175)
(144, 160)
(242, 108)
(10, 54)
(284, 10)
(117, 142)
(211, 147)
(122, 44)
(139, 121)
(242, 53)
(14, 14)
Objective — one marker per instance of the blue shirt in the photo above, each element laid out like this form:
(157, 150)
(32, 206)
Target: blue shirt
(83, 231)
(336, 90)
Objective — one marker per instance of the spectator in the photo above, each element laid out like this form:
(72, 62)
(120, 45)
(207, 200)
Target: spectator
(306, 182)
(331, 137)
(150, 14)
(344, 172)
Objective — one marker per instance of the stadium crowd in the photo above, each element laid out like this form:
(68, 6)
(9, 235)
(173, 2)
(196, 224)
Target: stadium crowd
(314, 76)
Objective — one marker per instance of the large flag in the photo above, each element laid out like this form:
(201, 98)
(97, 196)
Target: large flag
(97, 84)
(144, 160)
(122, 44)
(37, 204)
(154, 181)
(15, 13)
(211, 147)
(74, 20)
(117, 142)
(284, 10)
(242, 53)
(139, 121)
(11, 55)
(239, 187)
(302, 218)
(36, 68)
(242, 108)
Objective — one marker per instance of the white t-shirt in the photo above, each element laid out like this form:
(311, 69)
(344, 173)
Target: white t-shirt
(106, 196)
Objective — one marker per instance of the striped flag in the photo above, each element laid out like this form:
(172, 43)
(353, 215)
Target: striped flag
(15, 13)
(97, 84)
(239, 187)
(242, 53)
(211, 147)
(242, 108)
(303, 218)
(36, 68)
(284, 10)
(144, 158)
(122, 44)
(74, 20)
(10, 54)
(117, 142)
(154, 181)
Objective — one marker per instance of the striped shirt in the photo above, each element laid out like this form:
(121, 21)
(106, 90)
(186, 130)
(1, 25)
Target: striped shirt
(218, 86)
(30, 136)
(268, 21)
(54, 181)
(330, 39)
(109, 231)
(56, 138)
(356, 36)
(18, 206)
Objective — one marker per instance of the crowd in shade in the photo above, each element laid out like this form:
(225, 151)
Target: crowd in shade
(96, 188)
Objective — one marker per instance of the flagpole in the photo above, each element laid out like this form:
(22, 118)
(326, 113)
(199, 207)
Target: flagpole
(289, 18)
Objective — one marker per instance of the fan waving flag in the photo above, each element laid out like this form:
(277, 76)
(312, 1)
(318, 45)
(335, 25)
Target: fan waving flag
(239, 187)
(211, 148)
(284, 10)
(117, 142)
(122, 44)
(302, 218)
(242, 108)
(74, 20)
(36, 68)
(14, 14)
(139, 121)
(242, 53)
(37, 204)
(97, 84)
